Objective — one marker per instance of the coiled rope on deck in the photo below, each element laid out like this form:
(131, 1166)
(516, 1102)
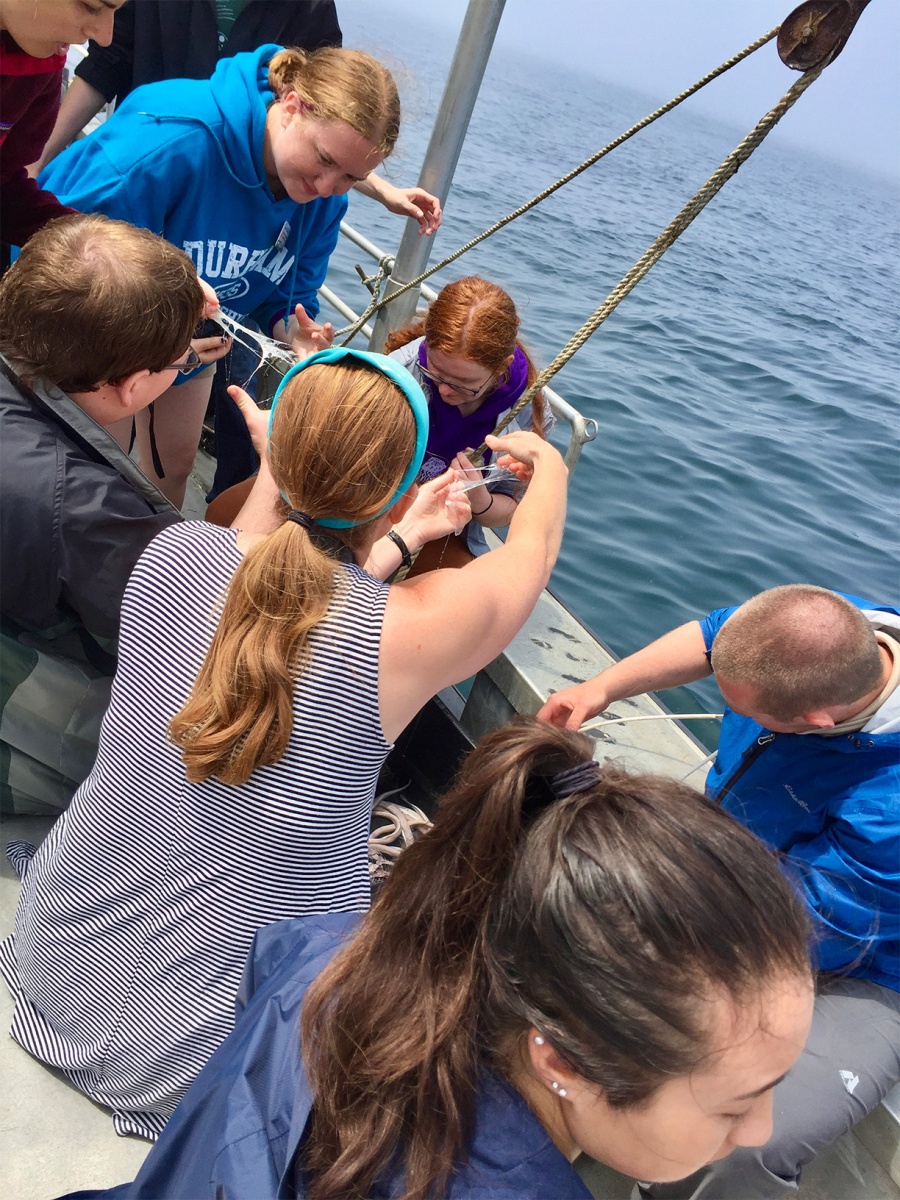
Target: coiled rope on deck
(350, 331)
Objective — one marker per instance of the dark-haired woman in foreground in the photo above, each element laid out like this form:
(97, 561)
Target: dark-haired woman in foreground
(571, 960)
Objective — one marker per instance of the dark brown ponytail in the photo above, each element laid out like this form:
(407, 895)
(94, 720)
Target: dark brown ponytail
(500, 919)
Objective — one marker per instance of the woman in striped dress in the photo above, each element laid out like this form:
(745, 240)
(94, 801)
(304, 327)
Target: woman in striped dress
(263, 677)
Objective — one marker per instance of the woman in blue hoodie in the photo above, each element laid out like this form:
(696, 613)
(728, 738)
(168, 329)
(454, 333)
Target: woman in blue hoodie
(247, 172)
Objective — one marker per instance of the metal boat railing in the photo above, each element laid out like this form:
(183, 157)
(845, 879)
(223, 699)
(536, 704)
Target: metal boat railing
(581, 429)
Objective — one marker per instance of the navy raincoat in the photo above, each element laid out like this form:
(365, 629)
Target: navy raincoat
(236, 1133)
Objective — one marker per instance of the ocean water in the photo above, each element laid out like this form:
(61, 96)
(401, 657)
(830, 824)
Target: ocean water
(746, 391)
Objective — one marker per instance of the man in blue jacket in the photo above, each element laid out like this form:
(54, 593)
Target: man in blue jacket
(809, 759)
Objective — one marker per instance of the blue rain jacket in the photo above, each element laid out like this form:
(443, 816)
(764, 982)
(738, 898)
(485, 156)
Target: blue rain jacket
(184, 158)
(832, 805)
(235, 1134)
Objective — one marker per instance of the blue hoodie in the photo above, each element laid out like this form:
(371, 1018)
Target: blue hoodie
(831, 804)
(185, 159)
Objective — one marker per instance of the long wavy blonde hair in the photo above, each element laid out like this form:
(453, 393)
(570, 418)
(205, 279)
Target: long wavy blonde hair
(342, 436)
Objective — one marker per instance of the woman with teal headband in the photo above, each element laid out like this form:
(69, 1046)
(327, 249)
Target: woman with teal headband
(263, 675)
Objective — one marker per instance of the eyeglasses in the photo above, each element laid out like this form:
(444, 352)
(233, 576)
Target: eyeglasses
(191, 363)
(455, 387)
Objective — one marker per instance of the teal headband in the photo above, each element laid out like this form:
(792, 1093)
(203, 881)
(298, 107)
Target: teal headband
(407, 385)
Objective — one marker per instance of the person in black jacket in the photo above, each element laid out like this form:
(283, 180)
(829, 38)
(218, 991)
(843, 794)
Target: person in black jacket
(159, 39)
(79, 349)
(184, 39)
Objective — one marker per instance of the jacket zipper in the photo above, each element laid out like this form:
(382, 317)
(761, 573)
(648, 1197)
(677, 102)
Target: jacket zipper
(748, 758)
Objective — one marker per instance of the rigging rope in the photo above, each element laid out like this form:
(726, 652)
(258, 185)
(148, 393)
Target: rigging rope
(693, 208)
(350, 331)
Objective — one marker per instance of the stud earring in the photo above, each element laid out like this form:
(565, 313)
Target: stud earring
(560, 1091)
(538, 1040)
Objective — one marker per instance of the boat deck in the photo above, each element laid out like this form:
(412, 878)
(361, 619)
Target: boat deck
(55, 1140)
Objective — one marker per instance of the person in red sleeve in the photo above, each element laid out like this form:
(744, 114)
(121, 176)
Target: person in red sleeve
(34, 41)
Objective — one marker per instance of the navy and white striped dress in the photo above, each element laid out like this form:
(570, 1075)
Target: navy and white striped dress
(138, 910)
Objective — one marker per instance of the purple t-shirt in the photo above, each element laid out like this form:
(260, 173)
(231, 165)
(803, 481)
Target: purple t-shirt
(451, 432)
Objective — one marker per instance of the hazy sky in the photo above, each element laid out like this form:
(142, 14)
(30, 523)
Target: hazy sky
(660, 46)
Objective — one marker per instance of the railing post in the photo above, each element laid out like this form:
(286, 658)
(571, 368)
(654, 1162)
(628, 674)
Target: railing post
(460, 92)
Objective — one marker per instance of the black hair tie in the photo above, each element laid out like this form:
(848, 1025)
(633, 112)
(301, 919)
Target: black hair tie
(575, 779)
(301, 518)
(543, 790)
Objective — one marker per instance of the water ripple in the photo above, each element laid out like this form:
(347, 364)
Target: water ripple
(746, 390)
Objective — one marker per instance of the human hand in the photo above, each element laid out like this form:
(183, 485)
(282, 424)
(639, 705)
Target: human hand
(440, 507)
(212, 300)
(256, 420)
(211, 349)
(521, 451)
(523, 471)
(479, 497)
(306, 335)
(571, 707)
(413, 202)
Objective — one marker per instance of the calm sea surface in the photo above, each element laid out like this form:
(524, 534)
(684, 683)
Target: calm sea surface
(746, 391)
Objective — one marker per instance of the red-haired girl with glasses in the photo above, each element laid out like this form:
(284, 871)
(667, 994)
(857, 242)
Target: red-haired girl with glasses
(466, 353)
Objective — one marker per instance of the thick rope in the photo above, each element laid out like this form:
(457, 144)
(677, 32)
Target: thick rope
(654, 253)
(376, 303)
(375, 283)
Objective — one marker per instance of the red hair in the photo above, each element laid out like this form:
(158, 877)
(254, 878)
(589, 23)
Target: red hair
(477, 320)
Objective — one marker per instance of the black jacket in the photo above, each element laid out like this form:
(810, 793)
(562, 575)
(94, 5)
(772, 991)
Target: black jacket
(178, 39)
(75, 515)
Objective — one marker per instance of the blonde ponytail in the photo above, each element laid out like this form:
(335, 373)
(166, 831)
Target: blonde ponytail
(240, 712)
(342, 437)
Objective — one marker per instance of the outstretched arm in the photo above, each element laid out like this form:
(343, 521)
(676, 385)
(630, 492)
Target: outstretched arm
(676, 658)
(80, 103)
(443, 626)
(412, 202)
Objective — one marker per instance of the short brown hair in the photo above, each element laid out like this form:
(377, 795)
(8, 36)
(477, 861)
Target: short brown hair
(801, 648)
(90, 301)
(342, 85)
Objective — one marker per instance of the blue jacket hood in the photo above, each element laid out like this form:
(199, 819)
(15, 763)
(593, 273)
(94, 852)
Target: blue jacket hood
(236, 88)
(185, 158)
